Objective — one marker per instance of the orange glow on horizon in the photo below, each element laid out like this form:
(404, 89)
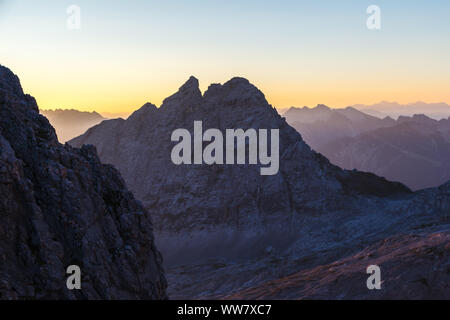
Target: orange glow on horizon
(123, 89)
(123, 98)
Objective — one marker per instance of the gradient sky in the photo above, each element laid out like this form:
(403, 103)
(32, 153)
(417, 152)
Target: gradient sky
(297, 52)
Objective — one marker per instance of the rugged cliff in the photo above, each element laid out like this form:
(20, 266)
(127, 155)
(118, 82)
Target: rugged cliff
(60, 206)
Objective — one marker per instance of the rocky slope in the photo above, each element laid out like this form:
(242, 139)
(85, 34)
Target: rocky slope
(69, 124)
(60, 206)
(214, 218)
(412, 267)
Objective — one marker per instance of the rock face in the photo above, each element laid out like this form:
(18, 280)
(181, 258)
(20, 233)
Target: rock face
(223, 228)
(60, 206)
(69, 124)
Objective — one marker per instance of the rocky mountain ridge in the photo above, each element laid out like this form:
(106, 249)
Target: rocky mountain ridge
(404, 261)
(214, 218)
(140, 147)
(412, 150)
(322, 125)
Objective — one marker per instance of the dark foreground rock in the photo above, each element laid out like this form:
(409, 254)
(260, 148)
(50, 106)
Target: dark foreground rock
(60, 206)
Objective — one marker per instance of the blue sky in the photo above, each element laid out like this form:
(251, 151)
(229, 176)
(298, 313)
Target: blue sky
(297, 52)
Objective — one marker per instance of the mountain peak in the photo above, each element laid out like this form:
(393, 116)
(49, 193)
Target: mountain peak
(189, 94)
(9, 82)
(239, 81)
(241, 84)
(240, 89)
(147, 108)
(322, 107)
(293, 109)
(191, 83)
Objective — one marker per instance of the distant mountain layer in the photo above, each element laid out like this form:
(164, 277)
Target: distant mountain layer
(225, 228)
(60, 206)
(383, 109)
(412, 150)
(71, 123)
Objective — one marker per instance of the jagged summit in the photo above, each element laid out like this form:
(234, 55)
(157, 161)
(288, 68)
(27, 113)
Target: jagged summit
(191, 86)
(188, 95)
(146, 109)
(319, 108)
(236, 91)
(191, 83)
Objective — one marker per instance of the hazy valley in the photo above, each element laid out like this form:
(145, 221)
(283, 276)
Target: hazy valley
(71, 123)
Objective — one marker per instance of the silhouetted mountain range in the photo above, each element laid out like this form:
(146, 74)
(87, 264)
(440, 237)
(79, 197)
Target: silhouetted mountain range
(226, 228)
(322, 124)
(383, 109)
(60, 206)
(412, 150)
(416, 151)
(71, 123)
